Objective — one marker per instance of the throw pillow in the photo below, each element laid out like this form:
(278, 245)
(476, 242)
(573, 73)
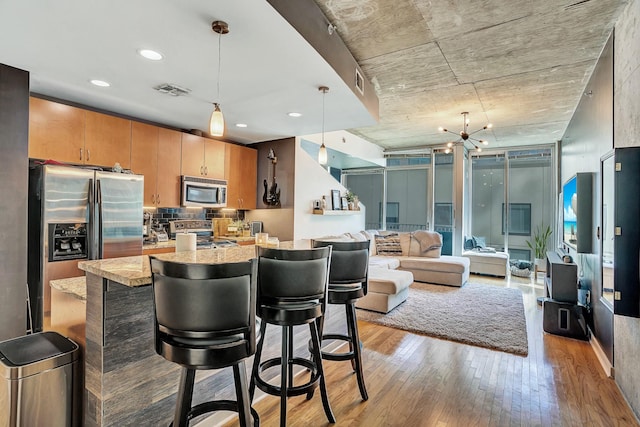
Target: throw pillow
(468, 244)
(479, 242)
(388, 245)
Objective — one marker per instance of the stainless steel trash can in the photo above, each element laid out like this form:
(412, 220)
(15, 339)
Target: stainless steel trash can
(37, 380)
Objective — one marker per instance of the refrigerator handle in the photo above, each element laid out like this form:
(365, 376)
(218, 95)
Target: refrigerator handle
(99, 220)
(92, 221)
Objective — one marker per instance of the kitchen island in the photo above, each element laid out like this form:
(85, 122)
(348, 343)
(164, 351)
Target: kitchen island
(126, 382)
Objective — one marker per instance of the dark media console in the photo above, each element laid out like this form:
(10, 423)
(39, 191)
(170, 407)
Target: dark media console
(562, 315)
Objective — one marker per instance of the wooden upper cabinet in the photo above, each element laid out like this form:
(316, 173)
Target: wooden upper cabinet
(56, 131)
(144, 158)
(168, 193)
(202, 156)
(192, 155)
(214, 158)
(242, 175)
(107, 140)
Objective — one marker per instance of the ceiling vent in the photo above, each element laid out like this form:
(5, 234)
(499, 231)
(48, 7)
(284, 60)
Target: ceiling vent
(171, 89)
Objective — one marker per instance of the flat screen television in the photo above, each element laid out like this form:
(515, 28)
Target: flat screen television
(569, 217)
(577, 212)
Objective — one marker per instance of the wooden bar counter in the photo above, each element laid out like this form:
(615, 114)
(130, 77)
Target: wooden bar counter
(126, 382)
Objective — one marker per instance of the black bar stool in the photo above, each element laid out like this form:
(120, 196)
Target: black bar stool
(292, 290)
(348, 279)
(205, 319)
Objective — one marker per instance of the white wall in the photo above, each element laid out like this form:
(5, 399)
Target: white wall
(350, 144)
(312, 182)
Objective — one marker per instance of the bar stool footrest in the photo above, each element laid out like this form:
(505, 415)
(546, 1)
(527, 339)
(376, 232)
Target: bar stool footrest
(219, 405)
(298, 390)
(347, 355)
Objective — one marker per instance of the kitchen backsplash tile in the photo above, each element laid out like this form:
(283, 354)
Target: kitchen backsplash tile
(164, 215)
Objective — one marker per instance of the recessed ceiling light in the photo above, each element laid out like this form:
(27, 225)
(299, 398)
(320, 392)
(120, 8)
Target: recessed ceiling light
(100, 83)
(294, 114)
(150, 54)
(241, 125)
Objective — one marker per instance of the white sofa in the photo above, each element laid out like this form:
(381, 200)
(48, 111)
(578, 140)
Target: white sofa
(391, 275)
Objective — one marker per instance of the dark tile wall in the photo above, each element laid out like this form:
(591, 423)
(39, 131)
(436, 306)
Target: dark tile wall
(164, 215)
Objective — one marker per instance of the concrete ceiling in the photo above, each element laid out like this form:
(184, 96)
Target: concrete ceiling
(521, 65)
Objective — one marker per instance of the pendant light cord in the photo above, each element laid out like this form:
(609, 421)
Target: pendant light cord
(324, 93)
(219, 64)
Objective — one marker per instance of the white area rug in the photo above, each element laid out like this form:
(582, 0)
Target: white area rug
(481, 315)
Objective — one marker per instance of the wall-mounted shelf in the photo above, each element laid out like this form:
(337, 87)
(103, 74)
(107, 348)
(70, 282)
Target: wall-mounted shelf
(336, 212)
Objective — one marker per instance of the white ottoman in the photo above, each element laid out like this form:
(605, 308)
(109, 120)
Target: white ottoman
(387, 289)
(491, 263)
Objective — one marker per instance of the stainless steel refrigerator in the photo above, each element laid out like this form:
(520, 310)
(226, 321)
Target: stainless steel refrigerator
(77, 214)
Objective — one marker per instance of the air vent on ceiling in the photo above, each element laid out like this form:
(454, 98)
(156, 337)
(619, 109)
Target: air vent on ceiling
(171, 89)
(359, 82)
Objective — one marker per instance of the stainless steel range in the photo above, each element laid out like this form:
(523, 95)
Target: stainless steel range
(203, 228)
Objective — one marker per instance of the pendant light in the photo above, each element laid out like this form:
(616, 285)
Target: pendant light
(322, 154)
(216, 122)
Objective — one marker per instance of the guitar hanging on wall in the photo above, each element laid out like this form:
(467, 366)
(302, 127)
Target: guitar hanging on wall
(271, 196)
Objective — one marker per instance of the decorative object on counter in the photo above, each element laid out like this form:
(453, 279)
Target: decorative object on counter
(323, 204)
(271, 196)
(273, 242)
(322, 153)
(262, 238)
(335, 200)
(185, 242)
(256, 227)
(216, 122)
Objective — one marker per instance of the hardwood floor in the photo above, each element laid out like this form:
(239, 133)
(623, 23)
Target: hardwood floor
(415, 380)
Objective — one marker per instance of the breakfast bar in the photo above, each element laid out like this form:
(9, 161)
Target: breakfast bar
(125, 381)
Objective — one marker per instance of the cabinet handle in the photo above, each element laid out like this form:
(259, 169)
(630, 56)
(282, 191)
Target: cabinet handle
(153, 199)
(81, 154)
(201, 170)
(157, 198)
(206, 170)
(88, 155)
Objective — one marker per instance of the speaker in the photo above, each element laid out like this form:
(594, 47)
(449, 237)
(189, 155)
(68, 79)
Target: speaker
(256, 227)
(564, 318)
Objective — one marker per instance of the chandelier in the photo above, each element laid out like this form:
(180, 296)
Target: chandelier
(465, 135)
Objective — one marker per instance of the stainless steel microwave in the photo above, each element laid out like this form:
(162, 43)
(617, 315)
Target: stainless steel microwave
(203, 192)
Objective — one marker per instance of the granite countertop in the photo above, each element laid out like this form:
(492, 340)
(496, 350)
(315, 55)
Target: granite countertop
(134, 271)
(159, 245)
(75, 286)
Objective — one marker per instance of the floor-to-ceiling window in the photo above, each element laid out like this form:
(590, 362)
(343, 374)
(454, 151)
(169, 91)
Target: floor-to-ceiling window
(513, 195)
(443, 206)
(487, 198)
(368, 185)
(531, 199)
